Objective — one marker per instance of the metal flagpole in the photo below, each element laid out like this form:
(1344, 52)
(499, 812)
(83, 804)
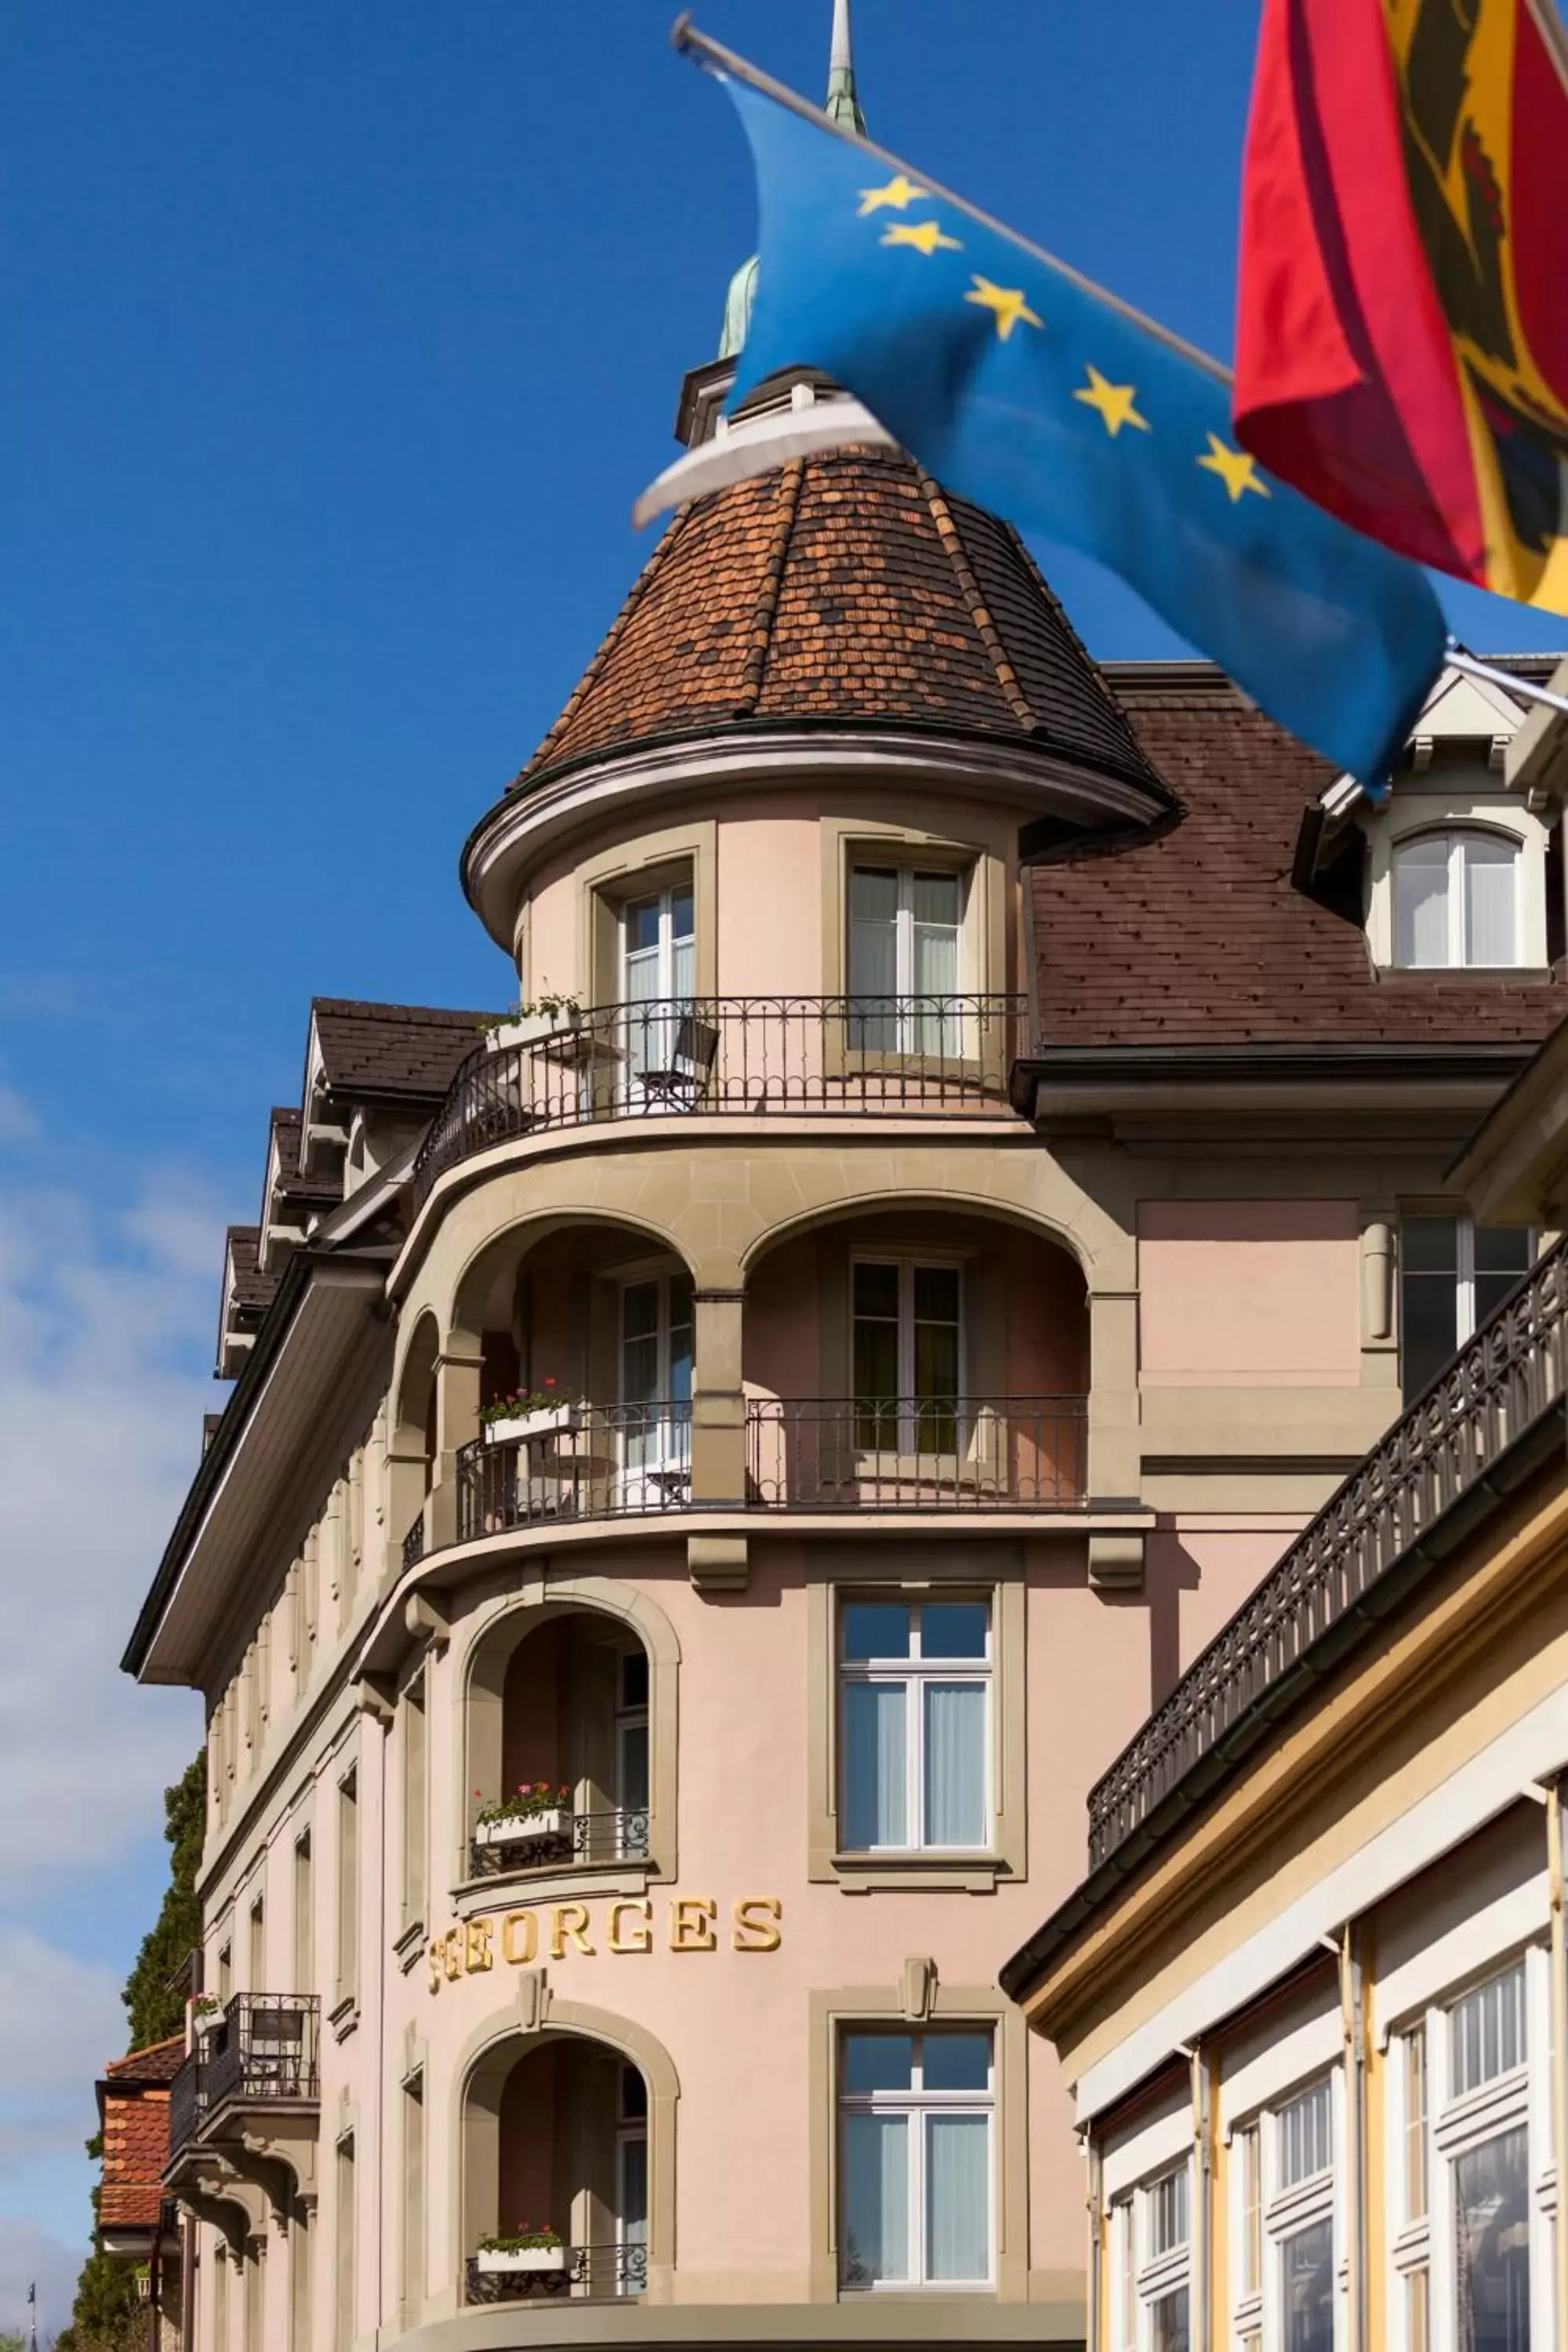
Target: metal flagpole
(1458, 658)
(689, 42)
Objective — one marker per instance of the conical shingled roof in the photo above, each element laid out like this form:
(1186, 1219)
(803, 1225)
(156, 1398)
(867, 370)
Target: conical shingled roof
(844, 589)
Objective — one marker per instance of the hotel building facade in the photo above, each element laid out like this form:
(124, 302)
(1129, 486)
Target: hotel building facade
(718, 1464)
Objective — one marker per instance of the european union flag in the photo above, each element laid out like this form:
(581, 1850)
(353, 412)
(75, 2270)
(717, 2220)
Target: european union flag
(1028, 391)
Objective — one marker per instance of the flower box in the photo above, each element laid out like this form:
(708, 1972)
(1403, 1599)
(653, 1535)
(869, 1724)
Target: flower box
(554, 1421)
(515, 1827)
(526, 2258)
(206, 2021)
(536, 1028)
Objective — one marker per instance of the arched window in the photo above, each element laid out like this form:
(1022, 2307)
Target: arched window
(1456, 901)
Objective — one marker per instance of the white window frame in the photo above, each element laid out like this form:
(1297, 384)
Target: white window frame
(667, 1446)
(663, 950)
(905, 1004)
(1456, 2124)
(915, 1672)
(1285, 2212)
(1464, 1266)
(1144, 2279)
(1456, 838)
(631, 2131)
(628, 1720)
(919, 2105)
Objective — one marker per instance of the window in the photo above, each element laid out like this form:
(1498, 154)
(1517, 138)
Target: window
(1452, 1275)
(915, 1725)
(1300, 2218)
(1491, 2216)
(1304, 2128)
(916, 2119)
(413, 2197)
(631, 2181)
(904, 927)
(1156, 2225)
(1247, 2172)
(1486, 2032)
(415, 1779)
(631, 1750)
(226, 1972)
(1456, 901)
(304, 1916)
(907, 1349)
(255, 1947)
(348, 1889)
(658, 967)
(1416, 2125)
(345, 2251)
(657, 1330)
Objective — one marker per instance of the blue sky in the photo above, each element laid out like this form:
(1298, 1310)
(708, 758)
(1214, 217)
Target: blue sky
(336, 344)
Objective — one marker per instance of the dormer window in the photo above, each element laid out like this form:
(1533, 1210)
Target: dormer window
(1456, 901)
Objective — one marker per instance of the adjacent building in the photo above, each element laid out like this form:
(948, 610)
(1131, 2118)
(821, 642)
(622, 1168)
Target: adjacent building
(719, 1460)
(1311, 1997)
(137, 2219)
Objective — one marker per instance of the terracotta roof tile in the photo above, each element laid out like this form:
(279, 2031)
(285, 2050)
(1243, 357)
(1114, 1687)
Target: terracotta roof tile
(1197, 937)
(846, 589)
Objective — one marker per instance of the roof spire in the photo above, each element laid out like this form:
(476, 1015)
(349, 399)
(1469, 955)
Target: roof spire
(843, 100)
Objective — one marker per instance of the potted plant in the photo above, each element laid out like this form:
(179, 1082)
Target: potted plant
(550, 1016)
(524, 2248)
(535, 1809)
(206, 2011)
(530, 1414)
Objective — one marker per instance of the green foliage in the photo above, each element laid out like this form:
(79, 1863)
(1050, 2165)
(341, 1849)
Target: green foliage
(155, 2012)
(108, 2315)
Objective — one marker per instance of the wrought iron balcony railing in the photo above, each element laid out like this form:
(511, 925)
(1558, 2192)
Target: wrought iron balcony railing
(414, 1541)
(735, 1055)
(917, 1454)
(1499, 1388)
(620, 1461)
(264, 2049)
(590, 2273)
(569, 1840)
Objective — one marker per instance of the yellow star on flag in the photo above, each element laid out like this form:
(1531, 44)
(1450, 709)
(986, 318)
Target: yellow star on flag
(925, 235)
(1237, 468)
(1112, 401)
(1007, 302)
(900, 192)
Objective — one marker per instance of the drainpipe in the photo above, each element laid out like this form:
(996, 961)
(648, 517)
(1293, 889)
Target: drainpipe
(1559, 2053)
(1095, 2238)
(1353, 2015)
(1203, 2184)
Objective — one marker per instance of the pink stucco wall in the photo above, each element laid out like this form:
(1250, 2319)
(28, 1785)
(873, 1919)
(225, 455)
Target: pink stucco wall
(1249, 1294)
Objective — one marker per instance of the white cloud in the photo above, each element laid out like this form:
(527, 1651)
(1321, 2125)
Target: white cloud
(30, 2256)
(103, 1321)
(18, 1120)
(106, 1316)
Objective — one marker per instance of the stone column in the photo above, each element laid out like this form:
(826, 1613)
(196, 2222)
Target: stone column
(718, 1436)
(457, 1424)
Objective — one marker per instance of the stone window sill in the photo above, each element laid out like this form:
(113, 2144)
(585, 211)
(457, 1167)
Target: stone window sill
(578, 1882)
(918, 1874)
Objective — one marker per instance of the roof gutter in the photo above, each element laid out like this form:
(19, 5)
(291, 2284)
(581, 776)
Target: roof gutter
(276, 1326)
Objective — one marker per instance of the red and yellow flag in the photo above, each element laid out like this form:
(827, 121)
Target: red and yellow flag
(1402, 349)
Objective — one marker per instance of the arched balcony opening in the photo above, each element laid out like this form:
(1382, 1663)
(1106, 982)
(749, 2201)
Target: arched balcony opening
(557, 2172)
(568, 1715)
(585, 1354)
(917, 1358)
(412, 1452)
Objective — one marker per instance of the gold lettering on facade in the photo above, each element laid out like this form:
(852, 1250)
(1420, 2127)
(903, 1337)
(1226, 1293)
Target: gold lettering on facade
(759, 1924)
(519, 1939)
(569, 1923)
(642, 1933)
(469, 1949)
(691, 1918)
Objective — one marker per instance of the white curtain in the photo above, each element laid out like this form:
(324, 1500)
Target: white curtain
(875, 1765)
(936, 911)
(875, 2198)
(955, 1765)
(1491, 902)
(958, 2197)
(1420, 903)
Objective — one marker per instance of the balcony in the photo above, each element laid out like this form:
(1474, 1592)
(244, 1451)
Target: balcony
(262, 2058)
(732, 1056)
(1485, 1422)
(589, 2273)
(618, 1461)
(560, 1841)
(917, 1454)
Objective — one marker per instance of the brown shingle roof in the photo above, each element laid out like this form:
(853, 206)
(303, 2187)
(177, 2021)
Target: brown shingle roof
(382, 1050)
(288, 1126)
(1197, 937)
(846, 589)
(157, 2063)
(252, 1288)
